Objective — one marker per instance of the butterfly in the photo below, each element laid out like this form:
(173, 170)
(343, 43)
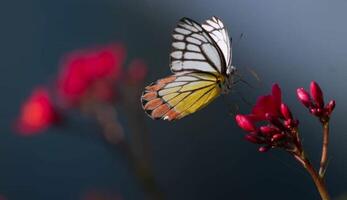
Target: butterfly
(200, 61)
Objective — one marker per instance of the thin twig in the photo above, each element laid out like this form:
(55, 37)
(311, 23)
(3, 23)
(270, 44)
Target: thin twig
(324, 157)
(318, 181)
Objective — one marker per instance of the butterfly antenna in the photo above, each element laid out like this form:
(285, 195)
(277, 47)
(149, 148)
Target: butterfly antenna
(233, 107)
(243, 98)
(254, 74)
(243, 81)
(242, 35)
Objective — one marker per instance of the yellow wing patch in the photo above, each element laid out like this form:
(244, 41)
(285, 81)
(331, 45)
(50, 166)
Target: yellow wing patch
(179, 95)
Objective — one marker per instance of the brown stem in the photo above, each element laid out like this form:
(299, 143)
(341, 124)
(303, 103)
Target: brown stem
(324, 157)
(139, 143)
(318, 181)
(142, 172)
(113, 133)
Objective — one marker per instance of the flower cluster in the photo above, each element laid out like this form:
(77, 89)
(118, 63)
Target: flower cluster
(315, 102)
(87, 77)
(279, 128)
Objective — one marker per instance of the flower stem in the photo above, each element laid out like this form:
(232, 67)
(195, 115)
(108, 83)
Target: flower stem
(318, 181)
(324, 157)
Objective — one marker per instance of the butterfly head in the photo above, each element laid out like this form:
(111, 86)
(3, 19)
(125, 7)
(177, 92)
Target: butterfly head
(229, 81)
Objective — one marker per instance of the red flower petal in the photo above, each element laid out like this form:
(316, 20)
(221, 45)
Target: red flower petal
(105, 62)
(83, 69)
(277, 94)
(265, 104)
(268, 104)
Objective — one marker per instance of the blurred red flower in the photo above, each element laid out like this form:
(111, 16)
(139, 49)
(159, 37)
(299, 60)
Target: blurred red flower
(37, 113)
(82, 69)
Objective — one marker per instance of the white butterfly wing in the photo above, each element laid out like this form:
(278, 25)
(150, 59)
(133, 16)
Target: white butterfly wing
(219, 34)
(193, 49)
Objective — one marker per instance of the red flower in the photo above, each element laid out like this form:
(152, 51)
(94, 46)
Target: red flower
(83, 69)
(278, 131)
(37, 113)
(105, 62)
(270, 104)
(73, 82)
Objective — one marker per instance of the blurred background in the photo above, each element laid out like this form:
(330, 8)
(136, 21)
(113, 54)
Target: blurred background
(203, 156)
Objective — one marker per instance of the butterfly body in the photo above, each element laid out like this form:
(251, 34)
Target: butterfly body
(201, 64)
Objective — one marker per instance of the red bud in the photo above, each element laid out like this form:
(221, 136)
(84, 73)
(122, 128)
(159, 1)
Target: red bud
(245, 123)
(304, 97)
(286, 112)
(317, 94)
(274, 121)
(330, 107)
(290, 123)
(264, 149)
(277, 137)
(268, 130)
(254, 139)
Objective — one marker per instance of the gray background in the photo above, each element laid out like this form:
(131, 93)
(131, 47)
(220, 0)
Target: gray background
(202, 156)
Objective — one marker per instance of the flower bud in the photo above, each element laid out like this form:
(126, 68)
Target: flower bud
(264, 149)
(291, 123)
(313, 111)
(304, 97)
(268, 130)
(316, 111)
(245, 123)
(319, 111)
(277, 137)
(317, 94)
(330, 107)
(254, 139)
(275, 121)
(286, 112)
